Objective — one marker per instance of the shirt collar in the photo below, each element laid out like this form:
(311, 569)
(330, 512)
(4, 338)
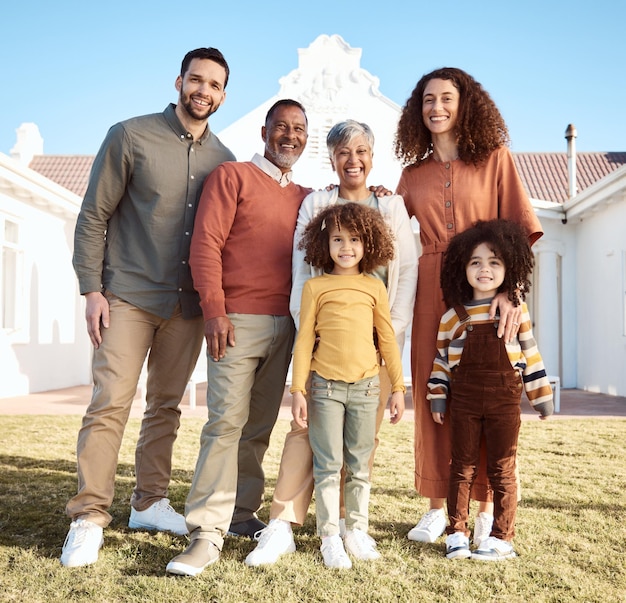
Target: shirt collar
(273, 171)
(181, 131)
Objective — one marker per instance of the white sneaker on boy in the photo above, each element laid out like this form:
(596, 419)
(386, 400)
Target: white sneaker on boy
(274, 540)
(429, 527)
(494, 549)
(82, 543)
(457, 546)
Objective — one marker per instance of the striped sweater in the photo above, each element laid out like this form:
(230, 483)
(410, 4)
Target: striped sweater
(522, 351)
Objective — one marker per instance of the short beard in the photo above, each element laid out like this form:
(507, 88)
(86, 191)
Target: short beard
(192, 110)
(283, 160)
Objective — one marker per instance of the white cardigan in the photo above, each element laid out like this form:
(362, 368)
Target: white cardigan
(402, 270)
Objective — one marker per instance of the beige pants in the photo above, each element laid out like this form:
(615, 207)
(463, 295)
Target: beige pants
(244, 393)
(172, 347)
(294, 486)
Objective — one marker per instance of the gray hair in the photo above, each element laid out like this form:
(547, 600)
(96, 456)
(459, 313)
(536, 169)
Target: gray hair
(344, 132)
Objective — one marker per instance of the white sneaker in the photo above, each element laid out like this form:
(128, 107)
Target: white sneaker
(158, 516)
(334, 554)
(457, 546)
(482, 528)
(82, 543)
(360, 545)
(429, 527)
(274, 540)
(494, 549)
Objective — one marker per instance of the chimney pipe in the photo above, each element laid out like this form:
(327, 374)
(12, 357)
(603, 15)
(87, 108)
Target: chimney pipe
(570, 136)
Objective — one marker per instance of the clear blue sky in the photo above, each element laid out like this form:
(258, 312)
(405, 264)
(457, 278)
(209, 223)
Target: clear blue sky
(76, 67)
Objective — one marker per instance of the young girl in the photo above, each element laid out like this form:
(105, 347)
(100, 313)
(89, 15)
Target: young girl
(482, 377)
(344, 316)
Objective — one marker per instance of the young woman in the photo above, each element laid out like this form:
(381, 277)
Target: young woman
(453, 141)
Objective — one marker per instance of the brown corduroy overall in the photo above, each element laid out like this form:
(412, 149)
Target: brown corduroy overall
(485, 399)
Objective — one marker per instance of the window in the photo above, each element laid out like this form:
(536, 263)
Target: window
(11, 279)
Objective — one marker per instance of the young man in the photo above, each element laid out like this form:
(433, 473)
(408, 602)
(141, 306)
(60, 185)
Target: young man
(131, 257)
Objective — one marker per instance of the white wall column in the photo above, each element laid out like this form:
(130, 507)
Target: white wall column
(548, 297)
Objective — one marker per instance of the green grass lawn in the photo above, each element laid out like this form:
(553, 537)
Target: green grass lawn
(571, 538)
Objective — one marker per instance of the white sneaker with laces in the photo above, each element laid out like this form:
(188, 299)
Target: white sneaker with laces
(334, 554)
(429, 527)
(274, 540)
(482, 528)
(82, 543)
(457, 546)
(158, 516)
(360, 545)
(494, 549)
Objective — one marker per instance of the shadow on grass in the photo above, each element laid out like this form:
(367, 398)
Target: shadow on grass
(34, 492)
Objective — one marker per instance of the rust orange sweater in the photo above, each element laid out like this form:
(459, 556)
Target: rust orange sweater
(242, 241)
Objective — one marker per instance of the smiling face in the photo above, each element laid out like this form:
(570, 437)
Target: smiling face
(485, 272)
(440, 106)
(353, 162)
(200, 91)
(285, 136)
(346, 251)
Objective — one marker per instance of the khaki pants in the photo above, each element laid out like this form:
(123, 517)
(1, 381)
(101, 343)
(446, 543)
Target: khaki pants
(244, 393)
(172, 347)
(294, 486)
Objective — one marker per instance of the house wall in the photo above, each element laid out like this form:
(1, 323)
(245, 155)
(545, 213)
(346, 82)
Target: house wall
(600, 274)
(553, 296)
(49, 348)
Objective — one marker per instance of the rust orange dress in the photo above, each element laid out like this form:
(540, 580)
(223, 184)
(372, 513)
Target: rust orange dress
(446, 198)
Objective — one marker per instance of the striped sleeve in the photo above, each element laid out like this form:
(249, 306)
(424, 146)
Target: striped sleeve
(536, 382)
(449, 350)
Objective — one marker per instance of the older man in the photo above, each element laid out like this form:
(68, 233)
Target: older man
(241, 264)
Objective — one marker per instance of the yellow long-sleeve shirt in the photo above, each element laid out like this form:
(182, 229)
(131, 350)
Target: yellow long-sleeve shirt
(343, 312)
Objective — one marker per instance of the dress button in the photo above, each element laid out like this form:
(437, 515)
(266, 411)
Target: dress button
(447, 185)
(448, 203)
(448, 166)
(449, 226)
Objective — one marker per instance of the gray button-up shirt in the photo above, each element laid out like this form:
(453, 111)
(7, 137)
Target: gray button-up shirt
(134, 228)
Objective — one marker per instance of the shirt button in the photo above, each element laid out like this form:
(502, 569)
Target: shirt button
(447, 166)
(449, 226)
(180, 289)
(192, 149)
(187, 234)
(447, 185)
(184, 262)
(190, 205)
(193, 177)
(448, 203)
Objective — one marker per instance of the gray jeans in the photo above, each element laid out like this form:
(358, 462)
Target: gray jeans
(342, 428)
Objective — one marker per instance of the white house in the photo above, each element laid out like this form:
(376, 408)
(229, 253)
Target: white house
(578, 299)
(43, 341)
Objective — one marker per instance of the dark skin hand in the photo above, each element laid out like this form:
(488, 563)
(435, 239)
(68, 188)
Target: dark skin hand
(219, 333)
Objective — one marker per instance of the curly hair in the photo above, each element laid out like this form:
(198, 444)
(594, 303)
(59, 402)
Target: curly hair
(480, 128)
(368, 223)
(507, 240)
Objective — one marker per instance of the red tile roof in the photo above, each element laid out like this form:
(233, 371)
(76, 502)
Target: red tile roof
(544, 174)
(69, 171)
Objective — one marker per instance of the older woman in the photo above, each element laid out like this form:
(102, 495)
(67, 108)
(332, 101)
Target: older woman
(350, 146)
